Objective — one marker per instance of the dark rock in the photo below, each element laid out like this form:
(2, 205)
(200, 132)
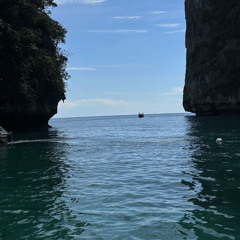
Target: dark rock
(212, 83)
(32, 65)
(19, 117)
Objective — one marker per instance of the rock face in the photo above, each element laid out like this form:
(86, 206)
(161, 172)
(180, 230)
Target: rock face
(18, 117)
(32, 65)
(212, 83)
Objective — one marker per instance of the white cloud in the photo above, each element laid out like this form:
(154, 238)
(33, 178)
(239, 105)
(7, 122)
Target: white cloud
(68, 104)
(174, 91)
(127, 17)
(99, 107)
(90, 2)
(177, 90)
(112, 93)
(93, 1)
(169, 25)
(177, 31)
(121, 31)
(92, 102)
(81, 69)
(158, 12)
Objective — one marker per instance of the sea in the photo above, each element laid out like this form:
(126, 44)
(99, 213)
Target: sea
(160, 177)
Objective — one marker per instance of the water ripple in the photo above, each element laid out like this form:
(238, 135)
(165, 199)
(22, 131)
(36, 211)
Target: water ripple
(163, 177)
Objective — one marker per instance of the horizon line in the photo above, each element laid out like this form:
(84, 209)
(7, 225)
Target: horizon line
(136, 114)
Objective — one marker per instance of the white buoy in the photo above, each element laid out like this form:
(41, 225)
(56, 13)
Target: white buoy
(219, 140)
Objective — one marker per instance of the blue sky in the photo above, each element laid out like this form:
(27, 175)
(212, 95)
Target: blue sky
(125, 56)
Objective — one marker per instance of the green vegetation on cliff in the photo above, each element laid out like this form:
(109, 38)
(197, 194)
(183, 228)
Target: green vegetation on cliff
(32, 66)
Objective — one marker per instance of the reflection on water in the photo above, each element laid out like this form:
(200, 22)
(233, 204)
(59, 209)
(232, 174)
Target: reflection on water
(32, 182)
(215, 179)
(163, 177)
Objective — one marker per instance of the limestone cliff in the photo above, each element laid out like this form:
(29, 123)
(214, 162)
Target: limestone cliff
(32, 66)
(212, 83)
(17, 116)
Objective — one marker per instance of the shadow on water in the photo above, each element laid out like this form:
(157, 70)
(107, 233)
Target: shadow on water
(33, 172)
(215, 178)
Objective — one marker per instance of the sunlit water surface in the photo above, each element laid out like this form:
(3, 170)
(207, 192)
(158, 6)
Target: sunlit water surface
(159, 177)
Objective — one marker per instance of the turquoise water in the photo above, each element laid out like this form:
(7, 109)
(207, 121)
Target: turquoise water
(160, 177)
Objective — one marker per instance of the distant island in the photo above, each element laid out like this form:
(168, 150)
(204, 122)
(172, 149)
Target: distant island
(32, 67)
(212, 84)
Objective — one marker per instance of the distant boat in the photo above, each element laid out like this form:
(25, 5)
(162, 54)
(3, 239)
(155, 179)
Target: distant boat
(5, 136)
(140, 115)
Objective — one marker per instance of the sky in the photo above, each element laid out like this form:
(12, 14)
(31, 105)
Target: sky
(124, 56)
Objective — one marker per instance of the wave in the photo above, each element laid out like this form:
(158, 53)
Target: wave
(35, 141)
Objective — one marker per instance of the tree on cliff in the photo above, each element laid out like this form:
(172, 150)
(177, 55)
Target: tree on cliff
(32, 66)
